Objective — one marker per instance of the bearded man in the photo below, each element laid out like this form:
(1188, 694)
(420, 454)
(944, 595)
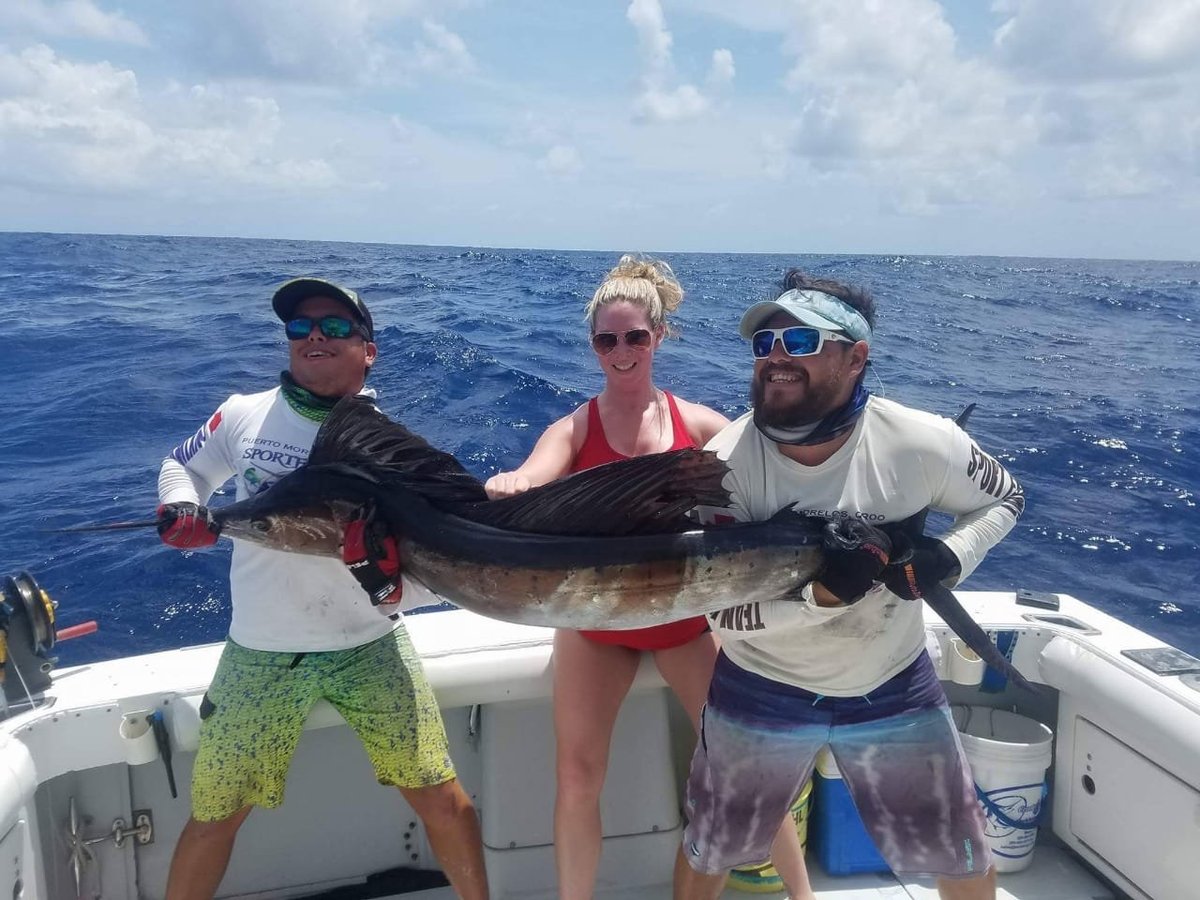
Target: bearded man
(846, 667)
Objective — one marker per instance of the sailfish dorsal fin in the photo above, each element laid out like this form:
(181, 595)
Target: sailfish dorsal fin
(357, 434)
(643, 495)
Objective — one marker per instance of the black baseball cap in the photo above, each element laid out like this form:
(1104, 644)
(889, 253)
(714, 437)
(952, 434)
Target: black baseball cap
(292, 293)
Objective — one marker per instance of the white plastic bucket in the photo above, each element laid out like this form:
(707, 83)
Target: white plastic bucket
(1009, 755)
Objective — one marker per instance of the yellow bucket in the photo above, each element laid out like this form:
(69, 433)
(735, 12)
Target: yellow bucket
(762, 878)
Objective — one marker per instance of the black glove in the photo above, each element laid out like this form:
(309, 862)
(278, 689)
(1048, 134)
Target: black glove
(371, 554)
(186, 526)
(855, 556)
(923, 563)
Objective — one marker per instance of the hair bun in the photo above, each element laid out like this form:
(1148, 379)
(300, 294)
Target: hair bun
(656, 271)
(643, 281)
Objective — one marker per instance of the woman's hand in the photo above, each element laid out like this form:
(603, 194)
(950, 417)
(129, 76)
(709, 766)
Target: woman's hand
(506, 484)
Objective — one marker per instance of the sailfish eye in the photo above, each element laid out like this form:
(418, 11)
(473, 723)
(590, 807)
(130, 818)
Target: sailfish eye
(260, 525)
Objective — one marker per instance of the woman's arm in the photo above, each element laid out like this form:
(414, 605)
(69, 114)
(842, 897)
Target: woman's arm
(702, 422)
(551, 458)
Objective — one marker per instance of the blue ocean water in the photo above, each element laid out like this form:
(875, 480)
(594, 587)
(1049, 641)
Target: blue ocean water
(116, 348)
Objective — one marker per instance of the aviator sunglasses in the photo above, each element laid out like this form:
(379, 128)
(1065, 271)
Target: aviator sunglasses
(331, 326)
(605, 342)
(797, 340)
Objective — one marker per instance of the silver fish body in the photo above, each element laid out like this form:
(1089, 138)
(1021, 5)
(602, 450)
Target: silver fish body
(564, 581)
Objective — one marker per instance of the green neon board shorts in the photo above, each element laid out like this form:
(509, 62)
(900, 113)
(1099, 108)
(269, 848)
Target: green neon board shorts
(256, 707)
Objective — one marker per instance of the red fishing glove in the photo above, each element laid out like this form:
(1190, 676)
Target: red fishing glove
(855, 556)
(927, 562)
(373, 558)
(187, 526)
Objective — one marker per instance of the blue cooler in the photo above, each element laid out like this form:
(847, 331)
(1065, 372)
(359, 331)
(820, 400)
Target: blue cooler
(836, 832)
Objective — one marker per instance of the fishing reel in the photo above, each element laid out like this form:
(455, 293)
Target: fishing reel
(27, 636)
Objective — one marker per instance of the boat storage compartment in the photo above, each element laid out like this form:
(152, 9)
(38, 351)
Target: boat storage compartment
(1130, 811)
(516, 806)
(12, 868)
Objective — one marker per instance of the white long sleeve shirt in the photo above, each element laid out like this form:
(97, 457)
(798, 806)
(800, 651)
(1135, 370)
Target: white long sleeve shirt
(281, 601)
(896, 462)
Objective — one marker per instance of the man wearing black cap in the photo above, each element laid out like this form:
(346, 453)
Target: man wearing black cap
(304, 628)
(844, 667)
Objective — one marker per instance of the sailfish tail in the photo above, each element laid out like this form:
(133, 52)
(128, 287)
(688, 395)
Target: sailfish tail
(943, 602)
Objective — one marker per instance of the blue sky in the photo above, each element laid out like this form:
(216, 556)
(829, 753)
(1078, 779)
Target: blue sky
(1016, 127)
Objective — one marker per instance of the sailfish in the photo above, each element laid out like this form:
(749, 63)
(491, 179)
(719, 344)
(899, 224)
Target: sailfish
(611, 547)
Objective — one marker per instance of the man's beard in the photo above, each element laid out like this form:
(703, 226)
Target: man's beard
(816, 402)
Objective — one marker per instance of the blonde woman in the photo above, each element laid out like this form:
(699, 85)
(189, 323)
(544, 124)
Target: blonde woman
(593, 670)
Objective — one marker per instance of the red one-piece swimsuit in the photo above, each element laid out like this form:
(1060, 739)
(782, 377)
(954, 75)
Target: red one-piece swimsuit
(594, 452)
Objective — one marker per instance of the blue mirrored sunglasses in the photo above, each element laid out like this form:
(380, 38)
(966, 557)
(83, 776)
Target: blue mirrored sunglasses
(331, 326)
(797, 340)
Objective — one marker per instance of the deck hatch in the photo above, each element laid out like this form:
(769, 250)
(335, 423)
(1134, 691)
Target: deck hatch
(1165, 660)
(1139, 817)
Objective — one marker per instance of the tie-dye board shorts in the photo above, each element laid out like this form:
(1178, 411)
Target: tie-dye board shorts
(256, 707)
(897, 750)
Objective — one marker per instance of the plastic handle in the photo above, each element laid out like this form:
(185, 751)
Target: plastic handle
(74, 631)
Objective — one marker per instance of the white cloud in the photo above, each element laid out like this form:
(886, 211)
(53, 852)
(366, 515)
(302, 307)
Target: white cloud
(550, 140)
(648, 21)
(305, 40)
(842, 42)
(1118, 84)
(1071, 99)
(534, 129)
(73, 118)
(87, 126)
(561, 160)
(877, 108)
(722, 69)
(769, 16)
(776, 156)
(442, 51)
(341, 43)
(684, 102)
(1079, 40)
(883, 94)
(69, 18)
(403, 130)
(661, 99)
(1106, 177)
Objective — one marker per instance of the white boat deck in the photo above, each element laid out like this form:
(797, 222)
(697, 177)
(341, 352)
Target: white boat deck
(1121, 732)
(1054, 875)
